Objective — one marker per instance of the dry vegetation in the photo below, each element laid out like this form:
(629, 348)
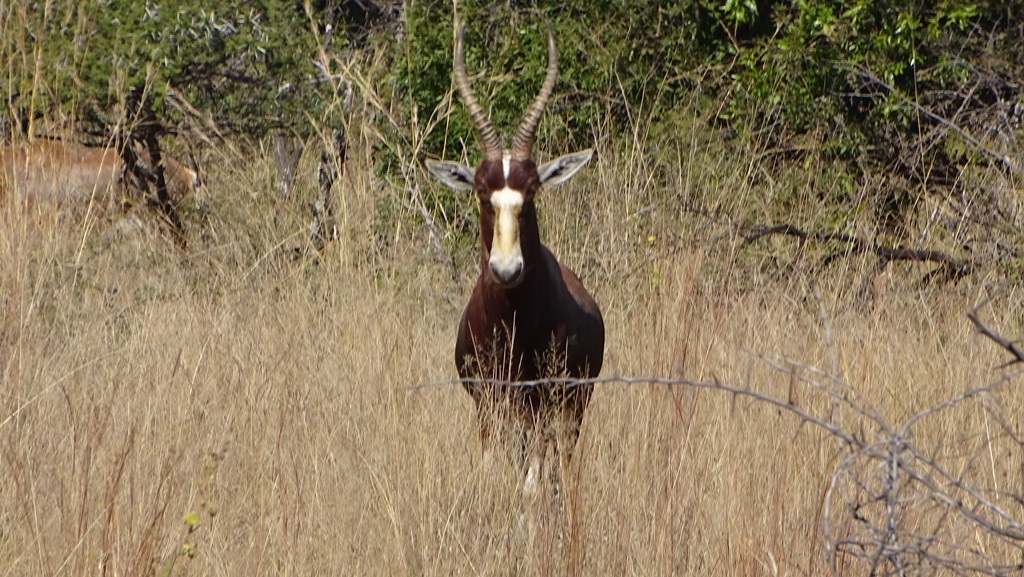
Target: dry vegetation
(238, 410)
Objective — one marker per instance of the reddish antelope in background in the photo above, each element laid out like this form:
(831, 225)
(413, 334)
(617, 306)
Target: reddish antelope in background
(529, 318)
(70, 173)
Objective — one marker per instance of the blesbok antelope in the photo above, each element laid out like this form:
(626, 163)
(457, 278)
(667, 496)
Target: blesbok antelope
(70, 173)
(529, 318)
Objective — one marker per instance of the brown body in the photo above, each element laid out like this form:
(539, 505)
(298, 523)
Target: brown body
(545, 326)
(68, 173)
(529, 321)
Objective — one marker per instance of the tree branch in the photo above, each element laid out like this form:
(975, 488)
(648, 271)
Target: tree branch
(955, 268)
(1009, 346)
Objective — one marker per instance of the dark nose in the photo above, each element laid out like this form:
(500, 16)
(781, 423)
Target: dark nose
(508, 275)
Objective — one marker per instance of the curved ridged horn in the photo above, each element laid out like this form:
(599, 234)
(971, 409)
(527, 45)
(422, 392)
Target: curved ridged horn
(522, 144)
(484, 129)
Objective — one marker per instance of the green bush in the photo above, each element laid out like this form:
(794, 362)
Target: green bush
(849, 84)
(247, 65)
(798, 65)
(609, 57)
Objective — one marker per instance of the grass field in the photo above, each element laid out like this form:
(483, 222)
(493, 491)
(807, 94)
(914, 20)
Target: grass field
(235, 409)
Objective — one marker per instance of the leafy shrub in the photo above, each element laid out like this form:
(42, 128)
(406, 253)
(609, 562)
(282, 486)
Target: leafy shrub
(248, 65)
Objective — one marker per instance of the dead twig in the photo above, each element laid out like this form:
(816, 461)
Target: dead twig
(1009, 346)
(954, 268)
(1003, 159)
(898, 508)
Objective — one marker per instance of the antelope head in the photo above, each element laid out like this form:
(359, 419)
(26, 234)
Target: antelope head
(506, 181)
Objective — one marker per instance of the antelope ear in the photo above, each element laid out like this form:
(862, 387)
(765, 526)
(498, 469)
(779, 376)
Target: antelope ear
(562, 168)
(452, 174)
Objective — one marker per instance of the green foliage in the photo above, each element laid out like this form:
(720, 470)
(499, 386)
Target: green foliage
(40, 48)
(844, 81)
(818, 59)
(739, 11)
(789, 64)
(613, 56)
(247, 65)
(609, 52)
(834, 78)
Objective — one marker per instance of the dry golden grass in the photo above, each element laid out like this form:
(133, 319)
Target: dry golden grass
(232, 411)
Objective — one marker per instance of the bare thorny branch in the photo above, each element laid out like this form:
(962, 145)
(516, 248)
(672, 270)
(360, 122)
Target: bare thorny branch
(1003, 159)
(897, 508)
(1010, 347)
(953, 268)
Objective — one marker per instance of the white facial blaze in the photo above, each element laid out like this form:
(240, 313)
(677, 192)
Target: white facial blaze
(506, 255)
